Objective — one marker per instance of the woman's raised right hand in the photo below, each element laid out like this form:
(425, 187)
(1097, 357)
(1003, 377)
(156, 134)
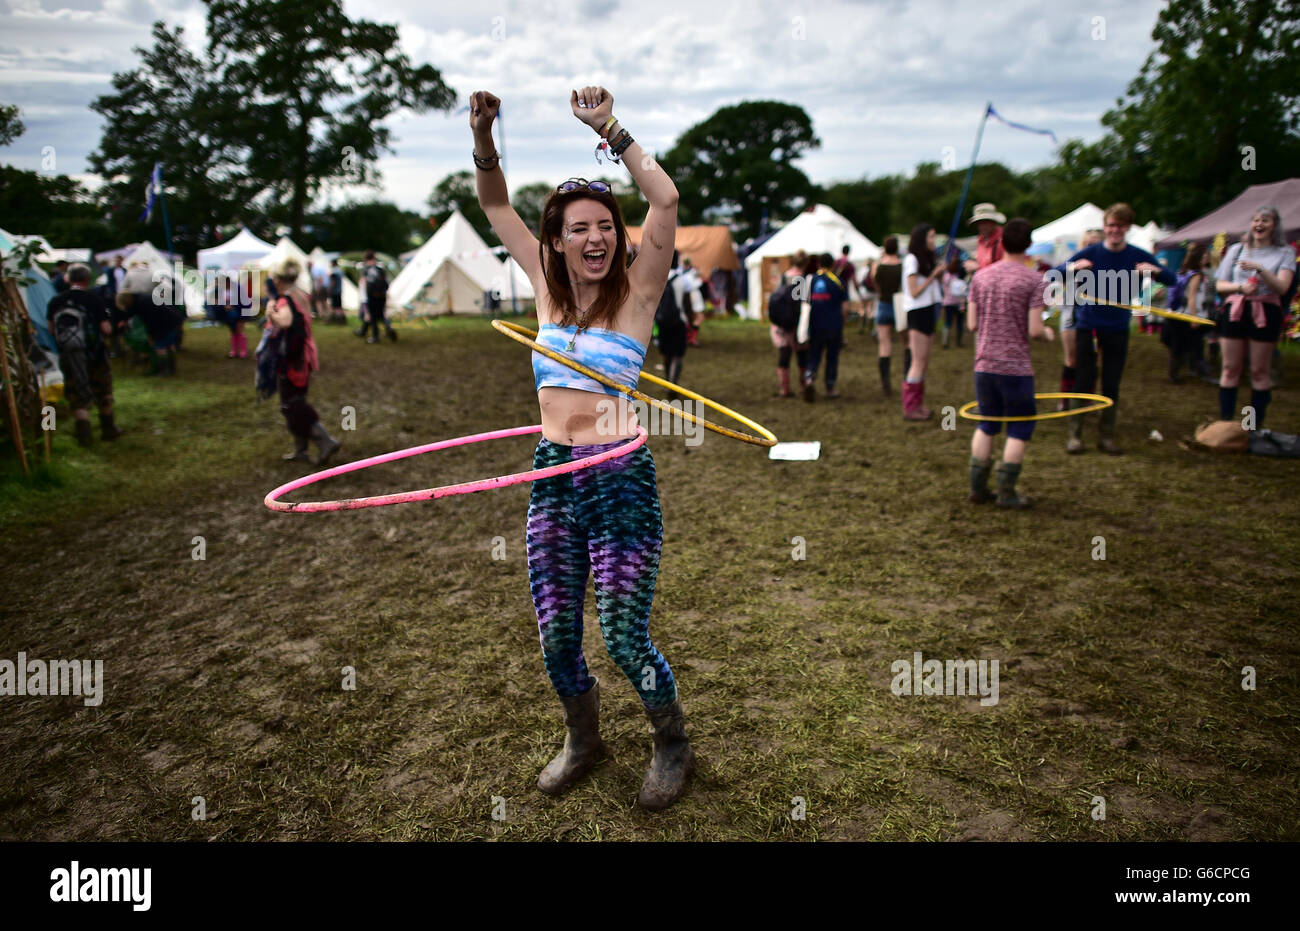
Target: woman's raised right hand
(483, 109)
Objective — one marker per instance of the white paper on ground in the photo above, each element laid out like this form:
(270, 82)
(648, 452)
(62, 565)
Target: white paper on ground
(796, 452)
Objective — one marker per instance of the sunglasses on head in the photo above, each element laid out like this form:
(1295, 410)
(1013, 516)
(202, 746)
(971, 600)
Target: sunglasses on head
(577, 184)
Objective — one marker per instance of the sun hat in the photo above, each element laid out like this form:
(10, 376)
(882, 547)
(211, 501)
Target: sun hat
(987, 212)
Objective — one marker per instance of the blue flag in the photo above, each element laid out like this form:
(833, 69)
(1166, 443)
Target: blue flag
(151, 191)
(1029, 129)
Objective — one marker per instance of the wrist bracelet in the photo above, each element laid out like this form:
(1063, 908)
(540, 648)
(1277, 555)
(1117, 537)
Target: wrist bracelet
(622, 146)
(605, 128)
(486, 163)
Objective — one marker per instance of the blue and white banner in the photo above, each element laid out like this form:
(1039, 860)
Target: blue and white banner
(1029, 129)
(151, 191)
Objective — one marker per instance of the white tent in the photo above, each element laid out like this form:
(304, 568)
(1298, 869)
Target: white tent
(523, 288)
(286, 248)
(1065, 233)
(1145, 237)
(234, 254)
(144, 268)
(818, 229)
(351, 295)
(451, 272)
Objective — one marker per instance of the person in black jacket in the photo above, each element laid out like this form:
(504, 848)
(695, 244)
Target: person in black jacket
(376, 284)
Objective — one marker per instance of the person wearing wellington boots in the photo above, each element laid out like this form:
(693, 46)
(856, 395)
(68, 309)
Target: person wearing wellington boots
(603, 521)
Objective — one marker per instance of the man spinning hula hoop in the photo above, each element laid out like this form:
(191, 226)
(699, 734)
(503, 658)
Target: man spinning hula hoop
(605, 519)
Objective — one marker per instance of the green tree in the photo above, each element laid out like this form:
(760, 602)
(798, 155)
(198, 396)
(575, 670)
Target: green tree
(457, 191)
(529, 201)
(170, 110)
(316, 87)
(11, 127)
(63, 209)
(740, 161)
(357, 226)
(1213, 110)
(866, 203)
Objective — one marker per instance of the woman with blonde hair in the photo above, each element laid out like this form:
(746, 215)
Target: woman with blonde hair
(1253, 276)
(289, 337)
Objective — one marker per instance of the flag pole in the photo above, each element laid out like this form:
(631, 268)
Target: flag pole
(514, 303)
(167, 226)
(965, 189)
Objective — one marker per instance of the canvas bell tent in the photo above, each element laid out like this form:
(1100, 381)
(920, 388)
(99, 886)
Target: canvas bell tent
(818, 229)
(454, 272)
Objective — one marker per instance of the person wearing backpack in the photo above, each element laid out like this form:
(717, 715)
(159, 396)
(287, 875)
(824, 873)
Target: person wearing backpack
(79, 323)
(672, 321)
(826, 298)
(289, 321)
(1183, 339)
(783, 319)
(376, 287)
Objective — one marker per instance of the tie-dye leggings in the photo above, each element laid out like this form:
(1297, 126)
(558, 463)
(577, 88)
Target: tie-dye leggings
(606, 519)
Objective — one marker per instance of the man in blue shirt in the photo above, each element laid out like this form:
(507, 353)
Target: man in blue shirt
(1109, 271)
(826, 297)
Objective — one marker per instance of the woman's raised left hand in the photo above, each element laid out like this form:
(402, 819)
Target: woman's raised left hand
(592, 105)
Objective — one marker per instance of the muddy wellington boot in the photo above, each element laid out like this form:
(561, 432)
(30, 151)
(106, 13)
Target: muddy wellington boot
(107, 428)
(883, 363)
(299, 453)
(583, 747)
(783, 379)
(326, 445)
(1074, 425)
(673, 761)
(1106, 442)
(979, 481)
(85, 435)
(1008, 472)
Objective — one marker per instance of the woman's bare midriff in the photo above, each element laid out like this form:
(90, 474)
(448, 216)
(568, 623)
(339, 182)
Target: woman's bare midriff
(584, 418)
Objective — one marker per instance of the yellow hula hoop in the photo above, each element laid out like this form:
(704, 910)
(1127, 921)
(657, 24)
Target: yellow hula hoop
(521, 334)
(1103, 402)
(1141, 309)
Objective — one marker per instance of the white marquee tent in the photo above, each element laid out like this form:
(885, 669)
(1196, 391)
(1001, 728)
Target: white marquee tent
(286, 248)
(818, 229)
(1065, 233)
(451, 272)
(234, 254)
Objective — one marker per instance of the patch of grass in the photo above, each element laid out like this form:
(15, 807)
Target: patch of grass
(1120, 678)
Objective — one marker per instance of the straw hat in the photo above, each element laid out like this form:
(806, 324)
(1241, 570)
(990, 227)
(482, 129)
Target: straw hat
(987, 212)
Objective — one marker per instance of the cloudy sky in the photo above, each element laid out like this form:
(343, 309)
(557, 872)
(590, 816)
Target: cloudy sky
(888, 83)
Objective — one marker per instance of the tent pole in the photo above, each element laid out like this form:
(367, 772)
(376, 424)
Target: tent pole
(965, 189)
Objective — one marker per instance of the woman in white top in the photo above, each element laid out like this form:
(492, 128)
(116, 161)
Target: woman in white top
(922, 296)
(1252, 276)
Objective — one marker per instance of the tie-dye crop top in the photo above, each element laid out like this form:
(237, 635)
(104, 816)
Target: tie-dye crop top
(614, 354)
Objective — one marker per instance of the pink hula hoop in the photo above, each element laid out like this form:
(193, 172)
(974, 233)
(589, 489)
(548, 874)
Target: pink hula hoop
(443, 491)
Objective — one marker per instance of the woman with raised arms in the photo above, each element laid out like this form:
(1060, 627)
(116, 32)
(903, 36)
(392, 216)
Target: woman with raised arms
(604, 520)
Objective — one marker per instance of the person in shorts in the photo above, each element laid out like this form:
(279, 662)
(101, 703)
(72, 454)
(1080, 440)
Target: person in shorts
(79, 323)
(1252, 278)
(1004, 311)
